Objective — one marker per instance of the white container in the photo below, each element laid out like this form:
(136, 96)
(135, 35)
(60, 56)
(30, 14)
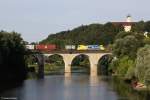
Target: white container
(68, 47)
(29, 46)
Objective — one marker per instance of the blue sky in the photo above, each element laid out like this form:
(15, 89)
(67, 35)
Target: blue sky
(36, 19)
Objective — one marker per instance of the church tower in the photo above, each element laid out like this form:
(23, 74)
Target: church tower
(127, 25)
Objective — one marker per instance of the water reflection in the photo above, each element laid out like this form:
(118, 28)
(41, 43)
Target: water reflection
(100, 88)
(94, 80)
(73, 87)
(94, 92)
(67, 74)
(67, 79)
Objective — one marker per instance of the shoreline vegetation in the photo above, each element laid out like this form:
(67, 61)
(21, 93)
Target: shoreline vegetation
(131, 52)
(126, 90)
(13, 70)
(136, 85)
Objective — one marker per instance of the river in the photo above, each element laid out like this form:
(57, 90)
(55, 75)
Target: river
(59, 87)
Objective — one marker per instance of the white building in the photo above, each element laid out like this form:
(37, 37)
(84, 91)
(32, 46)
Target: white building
(127, 25)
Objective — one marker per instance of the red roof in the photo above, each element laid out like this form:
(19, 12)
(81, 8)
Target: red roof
(123, 23)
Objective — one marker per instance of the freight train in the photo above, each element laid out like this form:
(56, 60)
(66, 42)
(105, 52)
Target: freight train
(52, 47)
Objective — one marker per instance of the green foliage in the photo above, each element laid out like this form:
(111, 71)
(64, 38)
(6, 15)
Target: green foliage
(143, 63)
(139, 27)
(81, 64)
(147, 26)
(124, 65)
(124, 90)
(126, 46)
(131, 70)
(113, 65)
(86, 34)
(11, 42)
(104, 65)
(12, 63)
(147, 78)
(81, 60)
(138, 36)
(85, 63)
(96, 34)
(56, 60)
(147, 40)
(122, 34)
(30, 60)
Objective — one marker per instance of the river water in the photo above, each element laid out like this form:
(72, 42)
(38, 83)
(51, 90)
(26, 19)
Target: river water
(59, 87)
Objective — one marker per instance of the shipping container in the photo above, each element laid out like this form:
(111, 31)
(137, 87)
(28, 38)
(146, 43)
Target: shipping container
(29, 46)
(93, 47)
(47, 47)
(70, 47)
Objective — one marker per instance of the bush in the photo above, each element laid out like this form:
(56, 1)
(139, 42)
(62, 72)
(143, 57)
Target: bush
(123, 66)
(131, 71)
(143, 63)
(147, 77)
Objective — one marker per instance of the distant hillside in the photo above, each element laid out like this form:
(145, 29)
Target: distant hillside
(92, 34)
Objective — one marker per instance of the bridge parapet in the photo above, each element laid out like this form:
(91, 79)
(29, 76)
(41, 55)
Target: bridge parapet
(76, 51)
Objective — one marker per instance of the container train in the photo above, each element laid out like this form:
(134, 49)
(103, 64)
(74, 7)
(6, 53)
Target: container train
(52, 47)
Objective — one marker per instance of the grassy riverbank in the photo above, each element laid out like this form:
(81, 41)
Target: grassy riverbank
(126, 92)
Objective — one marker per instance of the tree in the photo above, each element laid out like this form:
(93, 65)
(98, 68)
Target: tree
(87, 34)
(147, 40)
(126, 46)
(147, 26)
(57, 60)
(143, 63)
(12, 64)
(122, 34)
(125, 49)
(125, 66)
(139, 27)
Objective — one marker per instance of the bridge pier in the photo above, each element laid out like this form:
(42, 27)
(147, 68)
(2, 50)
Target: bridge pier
(93, 58)
(93, 70)
(67, 68)
(67, 60)
(40, 59)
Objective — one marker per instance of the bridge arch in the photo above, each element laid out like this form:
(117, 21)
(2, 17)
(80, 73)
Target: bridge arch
(54, 64)
(80, 63)
(103, 64)
(38, 61)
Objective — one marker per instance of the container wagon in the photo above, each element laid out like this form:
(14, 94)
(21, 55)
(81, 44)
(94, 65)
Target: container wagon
(30, 47)
(70, 47)
(47, 47)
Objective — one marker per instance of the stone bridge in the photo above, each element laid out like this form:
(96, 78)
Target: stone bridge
(93, 56)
